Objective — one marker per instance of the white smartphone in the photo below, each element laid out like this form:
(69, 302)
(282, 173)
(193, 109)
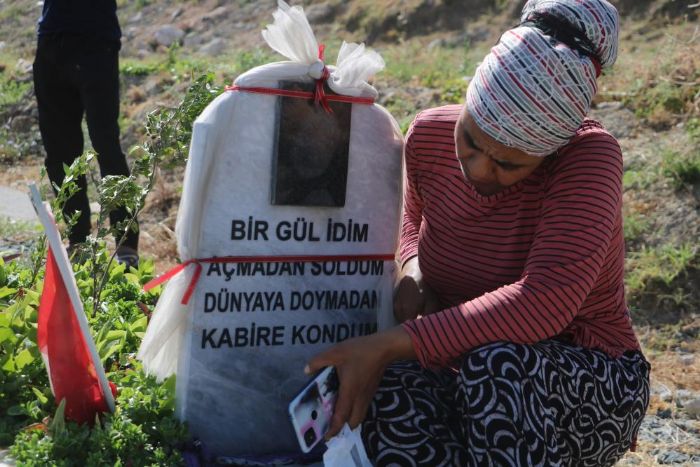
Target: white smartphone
(312, 409)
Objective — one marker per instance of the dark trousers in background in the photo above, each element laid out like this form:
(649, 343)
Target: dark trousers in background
(76, 75)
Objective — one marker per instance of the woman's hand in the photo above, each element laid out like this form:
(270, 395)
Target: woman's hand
(360, 365)
(412, 297)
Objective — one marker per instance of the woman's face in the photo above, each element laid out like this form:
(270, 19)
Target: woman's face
(489, 165)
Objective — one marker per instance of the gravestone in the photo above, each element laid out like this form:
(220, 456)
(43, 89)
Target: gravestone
(303, 198)
(287, 229)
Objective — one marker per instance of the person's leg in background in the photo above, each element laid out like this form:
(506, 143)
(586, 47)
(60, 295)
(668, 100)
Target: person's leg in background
(100, 95)
(60, 116)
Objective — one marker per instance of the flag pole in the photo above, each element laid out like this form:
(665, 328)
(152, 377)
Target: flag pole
(63, 263)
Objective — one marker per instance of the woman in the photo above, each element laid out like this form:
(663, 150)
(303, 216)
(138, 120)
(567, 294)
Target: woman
(516, 346)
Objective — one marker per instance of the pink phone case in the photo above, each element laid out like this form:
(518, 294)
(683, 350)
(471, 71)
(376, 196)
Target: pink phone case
(312, 409)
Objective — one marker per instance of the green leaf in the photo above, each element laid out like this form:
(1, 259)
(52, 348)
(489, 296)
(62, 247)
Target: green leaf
(40, 395)
(6, 334)
(58, 424)
(15, 410)
(24, 358)
(9, 365)
(6, 291)
(139, 325)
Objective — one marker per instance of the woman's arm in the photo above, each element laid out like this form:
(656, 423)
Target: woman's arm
(412, 296)
(360, 365)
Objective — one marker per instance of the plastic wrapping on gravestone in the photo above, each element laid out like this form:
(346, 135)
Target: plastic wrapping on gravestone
(235, 398)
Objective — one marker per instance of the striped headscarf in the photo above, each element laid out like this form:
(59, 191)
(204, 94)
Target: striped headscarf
(534, 89)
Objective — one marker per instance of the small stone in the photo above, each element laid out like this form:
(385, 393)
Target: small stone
(213, 47)
(672, 457)
(216, 13)
(192, 40)
(666, 413)
(691, 426)
(662, 391)
(686, 359)
(21, 124)
(692, 408)
(436, 44)
(136, 18)
(684, 395)
(23, 66)
(175, 14)
(3, 44)
(168, 35)
(610, 105)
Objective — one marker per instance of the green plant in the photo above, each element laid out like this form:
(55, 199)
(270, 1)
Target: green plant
(692, 127)
(667, 91)
(10, 227)
(245, 60)
(681, 168)
(639, 179)
(658, 265)
(131, 68)
(634, 226)
(23, 381)
(13, 92)
(142, 430)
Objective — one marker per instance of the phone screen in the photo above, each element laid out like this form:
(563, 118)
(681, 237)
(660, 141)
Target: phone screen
(312, 409)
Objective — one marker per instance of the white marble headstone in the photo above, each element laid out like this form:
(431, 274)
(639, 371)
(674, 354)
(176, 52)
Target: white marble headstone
(253, 326)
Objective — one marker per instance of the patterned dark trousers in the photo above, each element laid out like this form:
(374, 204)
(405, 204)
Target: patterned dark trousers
(547, 404)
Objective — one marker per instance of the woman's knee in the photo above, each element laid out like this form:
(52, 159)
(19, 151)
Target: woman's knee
(499, 360)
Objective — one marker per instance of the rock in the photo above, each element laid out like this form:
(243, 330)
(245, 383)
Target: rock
(136, 18)
(619, 121)
(686, 359)
(175, 14)
(672, 457)
(436, 44)
(655, 429)
(662, 392)
(457, 40)
(320, 12)
(168, 35)
(23, 66)
(215, 13)
(683, 396)
(21, 124)
(192, 40)
(691, 426)
(692, 408)
(666, 413)
(478, 34)
(213, 47)
(3, 44)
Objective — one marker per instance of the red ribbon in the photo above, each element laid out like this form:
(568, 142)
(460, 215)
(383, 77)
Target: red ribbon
(319, 96)
(250, 259)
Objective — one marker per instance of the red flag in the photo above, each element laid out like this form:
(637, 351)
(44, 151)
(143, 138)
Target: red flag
(62, 345)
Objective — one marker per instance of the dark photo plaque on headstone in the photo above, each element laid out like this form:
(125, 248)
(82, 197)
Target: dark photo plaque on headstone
(310, 166)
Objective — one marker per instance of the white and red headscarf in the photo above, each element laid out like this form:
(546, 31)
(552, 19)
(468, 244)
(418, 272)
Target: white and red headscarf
(533, 91)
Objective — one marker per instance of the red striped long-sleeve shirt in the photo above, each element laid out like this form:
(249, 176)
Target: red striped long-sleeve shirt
(542, 258)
